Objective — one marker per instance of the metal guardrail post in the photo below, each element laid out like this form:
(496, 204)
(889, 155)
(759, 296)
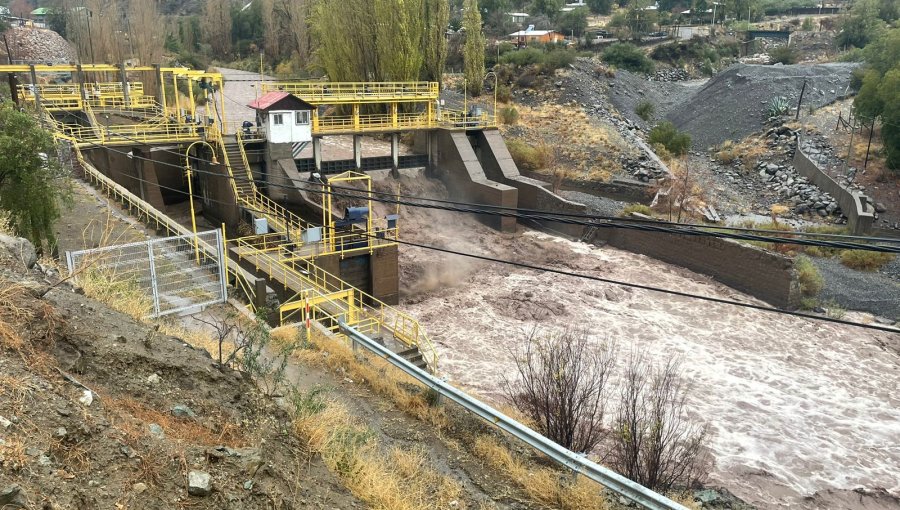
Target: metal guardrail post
(571, 460)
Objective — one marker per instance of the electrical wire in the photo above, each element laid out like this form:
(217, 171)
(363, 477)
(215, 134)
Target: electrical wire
(597, 278)
(545, 215)
(594, 221)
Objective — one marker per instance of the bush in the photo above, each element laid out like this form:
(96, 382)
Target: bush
(653, 443)
(557, 59)
(778, 106)
(645, 110)
(627, 56)
(523, 57)
(807, 25)
(530, 157)
(865, 260)
(509, 115)
(808, 277)
(784, 55)
(667, 135)
(636, 208)
(562, 387)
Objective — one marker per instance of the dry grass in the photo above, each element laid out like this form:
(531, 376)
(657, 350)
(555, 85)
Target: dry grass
(12, 314)
(543, 485)
(119, 293)
(749, 150)
(863, 260)
(133, 418)
(12, 455)
(379, 375)
(399, 480)
(589, 150)
(14, 393)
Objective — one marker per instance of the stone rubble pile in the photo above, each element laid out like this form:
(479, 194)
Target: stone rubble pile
(38, 45)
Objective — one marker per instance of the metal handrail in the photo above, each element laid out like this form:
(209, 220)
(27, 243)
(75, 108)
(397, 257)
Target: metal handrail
(319, 92)
(403, 326)
(566, 458)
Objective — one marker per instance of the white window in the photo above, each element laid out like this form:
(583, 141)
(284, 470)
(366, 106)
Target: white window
(302, 118)
(278, 119)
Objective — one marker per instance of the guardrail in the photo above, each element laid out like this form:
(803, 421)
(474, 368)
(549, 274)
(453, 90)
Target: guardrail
(568, 459)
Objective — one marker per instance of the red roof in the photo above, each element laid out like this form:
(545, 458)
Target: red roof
(266, 102)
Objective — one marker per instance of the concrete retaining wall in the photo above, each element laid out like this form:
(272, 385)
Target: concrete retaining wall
(465, 179)
(622, 189)
(499, 166)
(855, 206)
(761, 274)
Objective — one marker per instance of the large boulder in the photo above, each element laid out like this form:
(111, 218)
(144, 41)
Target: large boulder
(17, 251)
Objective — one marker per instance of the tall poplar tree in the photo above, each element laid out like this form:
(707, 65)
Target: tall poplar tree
(473, 51)
(437, 17)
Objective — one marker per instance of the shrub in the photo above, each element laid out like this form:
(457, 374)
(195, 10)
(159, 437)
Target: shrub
(636, 208)
(509, 115)
(667, 135)
(808, 277)
(645, 110)
(523, 57)
(784, 55)
(530, 157)
(562, 386)
(627, 56)
(864, 260)
(807, 25)
(653, 443)
(557, 59)
(779, 106)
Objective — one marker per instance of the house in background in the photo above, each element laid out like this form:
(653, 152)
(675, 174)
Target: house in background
(39, 16)
(531, 36)
(284, 117)
(517, 17)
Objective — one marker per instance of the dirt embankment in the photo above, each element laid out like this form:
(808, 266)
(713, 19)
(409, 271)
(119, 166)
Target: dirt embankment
(99, 411)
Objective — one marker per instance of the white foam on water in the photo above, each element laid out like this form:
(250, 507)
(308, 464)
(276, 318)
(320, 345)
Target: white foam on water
(796, 405)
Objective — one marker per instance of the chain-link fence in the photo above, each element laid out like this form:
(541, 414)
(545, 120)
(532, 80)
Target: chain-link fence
(169, 275)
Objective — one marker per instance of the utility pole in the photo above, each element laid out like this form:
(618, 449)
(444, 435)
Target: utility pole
(869, 145)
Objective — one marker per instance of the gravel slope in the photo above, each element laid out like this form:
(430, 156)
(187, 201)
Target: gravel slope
(858, 290)
(733, 104)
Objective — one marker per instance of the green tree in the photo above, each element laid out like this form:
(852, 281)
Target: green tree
(437, 17)
(32, 183)
(386, 42)
(573, 22)
(600, 6)
(889, 91)
(549, 8)
(473, 51)
(880, 89)
(666, 134)
(862, 26)
(56, 21)
(628, 56)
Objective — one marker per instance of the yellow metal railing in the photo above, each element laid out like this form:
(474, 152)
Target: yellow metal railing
(372, 315)
(318, 92)
(151, 216)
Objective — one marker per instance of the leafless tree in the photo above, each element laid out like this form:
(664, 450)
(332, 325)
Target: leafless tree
(562, 386)
(653, 442)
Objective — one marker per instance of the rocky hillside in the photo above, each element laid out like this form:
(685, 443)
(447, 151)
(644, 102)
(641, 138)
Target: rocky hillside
(99, 411)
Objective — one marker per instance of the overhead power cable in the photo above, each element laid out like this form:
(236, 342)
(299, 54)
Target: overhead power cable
(543, 216)
(588, 277)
